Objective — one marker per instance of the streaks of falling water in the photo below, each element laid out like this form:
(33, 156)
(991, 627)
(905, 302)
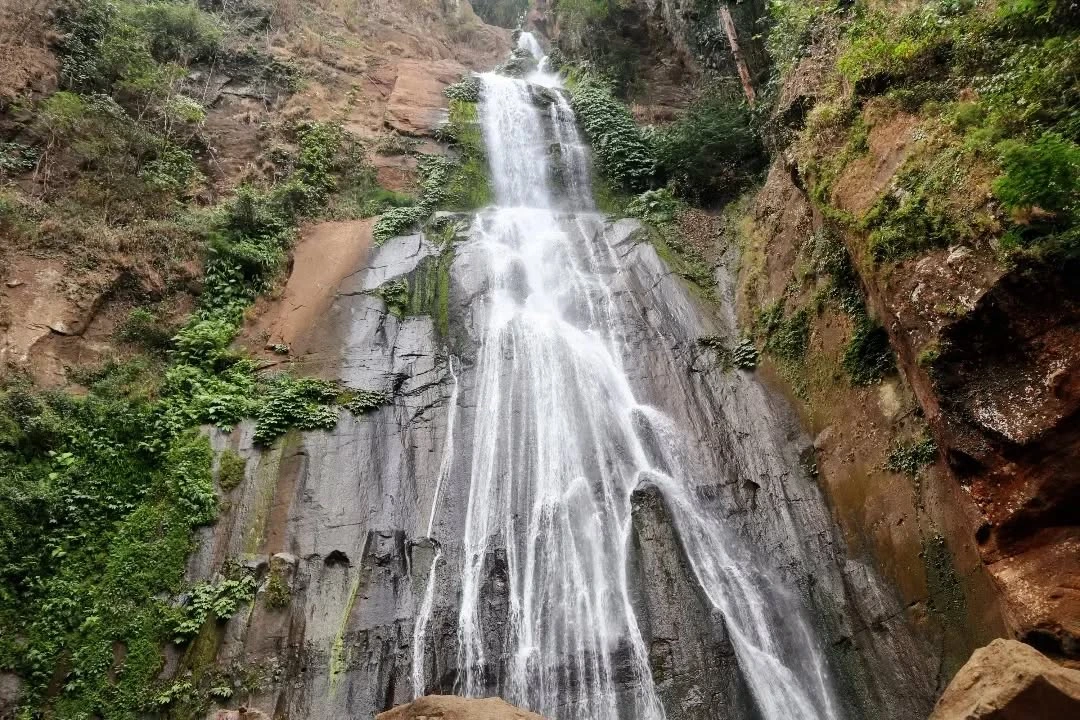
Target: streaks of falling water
(424, 614)
(559, 443)
(527, 41)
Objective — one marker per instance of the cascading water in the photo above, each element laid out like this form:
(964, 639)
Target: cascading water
(560, 442)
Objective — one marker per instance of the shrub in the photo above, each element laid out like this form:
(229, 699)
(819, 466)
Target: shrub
(712, 151)
(868, 357)
(126, 42)
(1043, 174)
(657, 207)
(177, 32)
(360, 402)
(143, 327)
(910, 457)
(745, 355)
(621, 152)
(786, 338)
(467, 90)
(231, 468)
(303, 403)
(791, 30)
(397, 221)
(17, 158)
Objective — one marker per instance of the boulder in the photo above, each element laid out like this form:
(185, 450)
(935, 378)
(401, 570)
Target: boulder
(1008, 680)
(243, 713)
(451, 707)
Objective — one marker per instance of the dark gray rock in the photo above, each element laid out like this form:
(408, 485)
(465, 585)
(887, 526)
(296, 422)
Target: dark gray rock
(354, 505)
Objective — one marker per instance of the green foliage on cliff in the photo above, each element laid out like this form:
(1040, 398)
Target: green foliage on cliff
(787, 336)
(713, 151)
(96, 528)
(100, 495)
(446, 183)
(470, 184)
(868, 357)
(995, 88)
(137, 47)
(1044, 173)
(288, 402)
(911, 456)
(622, 153)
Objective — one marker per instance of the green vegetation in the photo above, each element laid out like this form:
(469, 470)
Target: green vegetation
(231, 469)
(786, 336)
(995, 89)
(466, 90)
(660, 211)
(359, 402)
(1044, 174)
(278, 593)
(604, 34)
(460, 183)
(396, 296)
(623, 155)
(470, 187)
(794, 24)
(868, 357)
(101, 493)
(743, 356)
(398, 221)
(910, 457)
(146, 328)
(712, 152)
(97, 525)
(302, 403)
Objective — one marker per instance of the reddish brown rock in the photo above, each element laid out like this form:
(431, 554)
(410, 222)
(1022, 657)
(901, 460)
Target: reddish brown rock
(241, 714)
(417, 105)
(450, 707)
(1008, 680)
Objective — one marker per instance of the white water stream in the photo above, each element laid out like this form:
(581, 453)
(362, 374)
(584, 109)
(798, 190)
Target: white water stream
(559, 443)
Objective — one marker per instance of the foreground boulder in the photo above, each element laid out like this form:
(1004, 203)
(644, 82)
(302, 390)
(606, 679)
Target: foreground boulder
(451, 707)
(1008, 680)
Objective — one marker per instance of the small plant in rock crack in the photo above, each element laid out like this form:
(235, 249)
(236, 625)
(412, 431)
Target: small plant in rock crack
(744, 356)
(219, 600)
(910, 457)
(278, 594)
(304, 403)
(395, 294)
(359, 402)
(717, 345)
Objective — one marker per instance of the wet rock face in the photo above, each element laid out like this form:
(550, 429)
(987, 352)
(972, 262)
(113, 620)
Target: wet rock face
(1007, 680)
(1009, 394)
(692, 659)
(353, 506)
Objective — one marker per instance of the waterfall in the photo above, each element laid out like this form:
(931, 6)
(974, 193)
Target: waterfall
(559, 442)
(424, 614)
